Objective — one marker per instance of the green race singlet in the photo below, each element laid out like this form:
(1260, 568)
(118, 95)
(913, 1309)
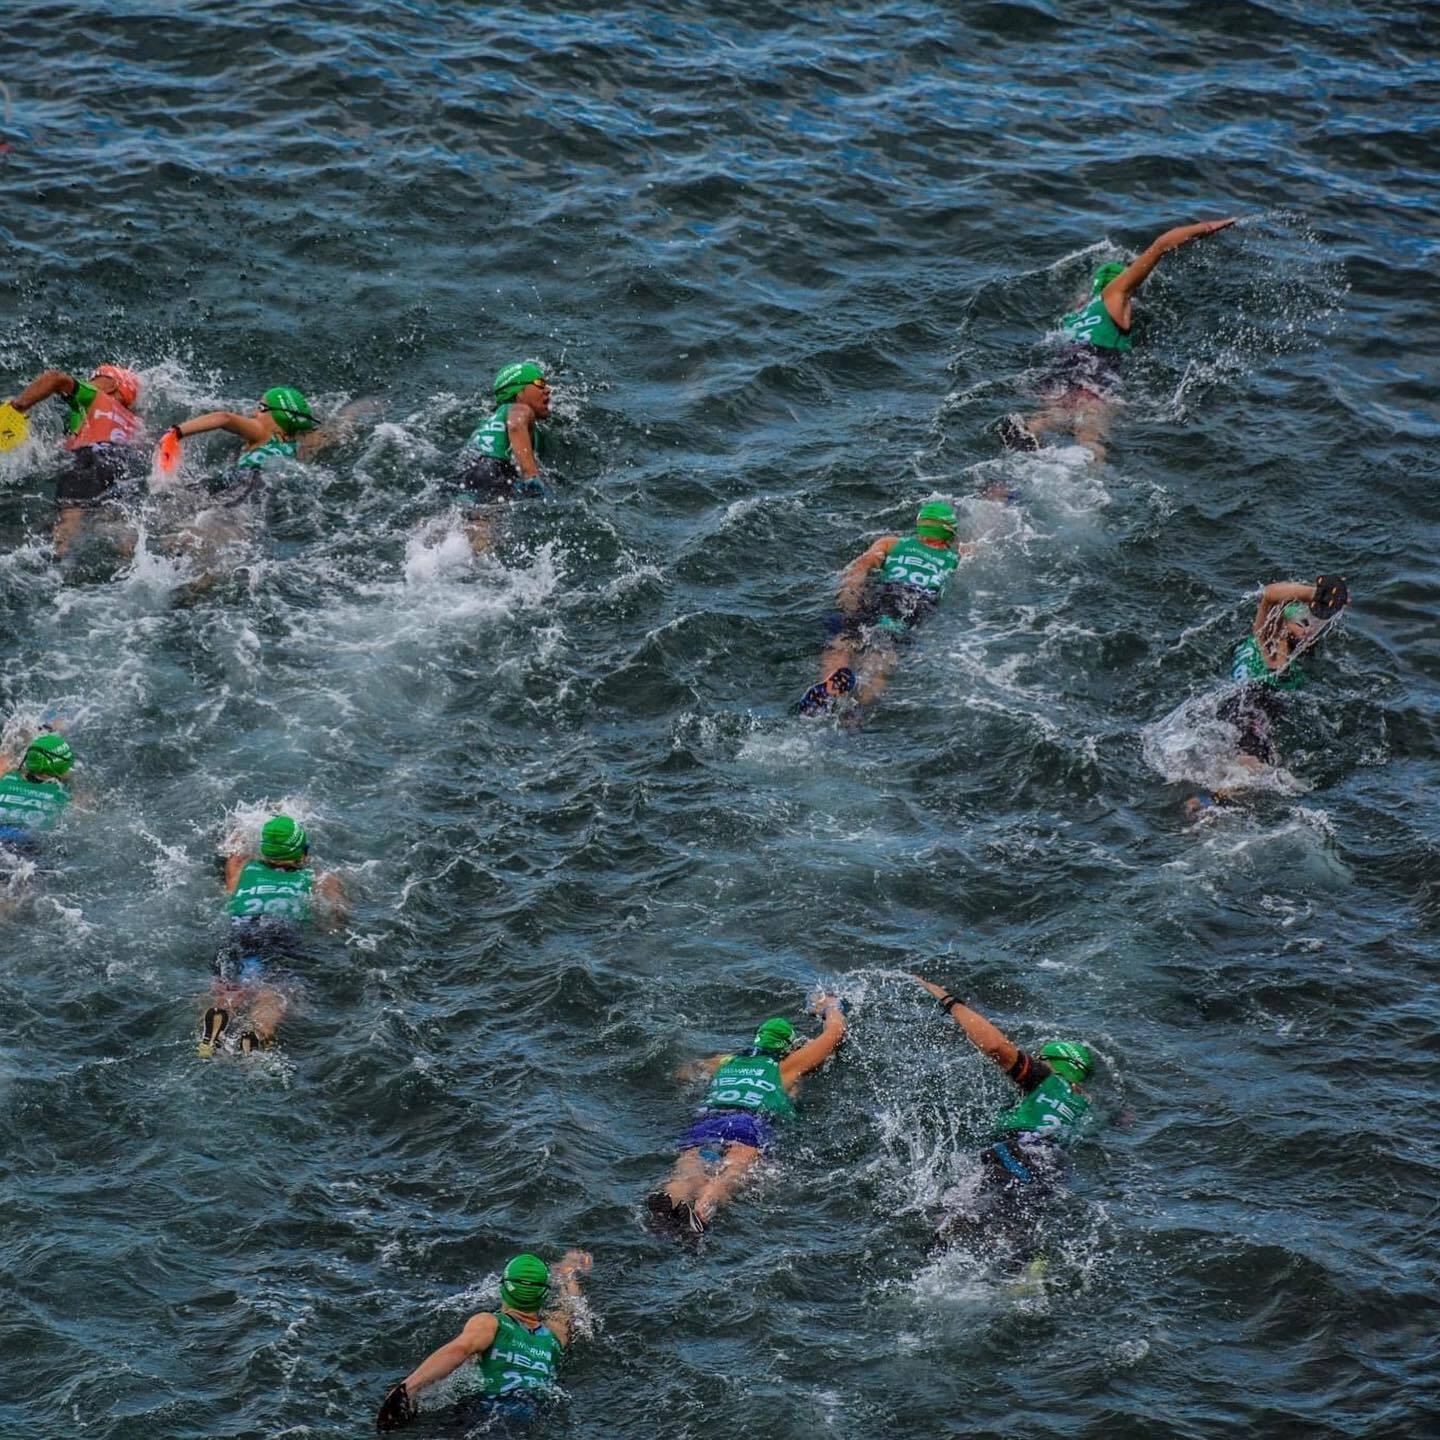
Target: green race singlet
(1092, 325)
(519, 1358)
(30, 804)
(921, 566)
(275, 448)
(1054, 1109)
(1249, 666)
(491, 437)
(263, 892)
(749, 1082)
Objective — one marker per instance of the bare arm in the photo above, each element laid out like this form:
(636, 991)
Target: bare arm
(50, 382)
(1274, 597)
(983, 1035)
(332, 892)
(814, 1053)
(567, 1276)
(520, 426)
(251, 430)
(475, 1339)
(699, 1069)
(857, 572)
(1117, 294)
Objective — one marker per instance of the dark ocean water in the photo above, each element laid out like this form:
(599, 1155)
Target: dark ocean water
(786, 268)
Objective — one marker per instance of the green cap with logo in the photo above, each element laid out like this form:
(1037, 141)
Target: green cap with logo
(290, 408)
(775, 1036)
(936, 521)
(48, 755)
(1105, 274)
(512, 379)
(525, 1285)
(283, 839)
(1069, 1059)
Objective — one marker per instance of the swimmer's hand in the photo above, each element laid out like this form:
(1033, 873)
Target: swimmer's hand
(396, 1409)
(1209, 227)
(573, 1263)
(822, 1002)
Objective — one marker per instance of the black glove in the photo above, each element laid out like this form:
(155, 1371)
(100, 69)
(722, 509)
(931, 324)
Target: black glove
(1332, 595)
(396, 1409)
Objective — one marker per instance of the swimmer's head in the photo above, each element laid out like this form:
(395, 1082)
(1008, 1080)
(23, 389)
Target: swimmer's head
(775, 1036)
(525, 1285)
(126, 382)
(936, 521)
(283, 840)
(290, 409)
(48, 755)
(1105, 274)
(1069, 1059)
(516, 378)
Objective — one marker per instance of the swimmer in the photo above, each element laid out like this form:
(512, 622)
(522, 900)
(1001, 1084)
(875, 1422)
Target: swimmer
(516, 1349)
(1289, 621)
(498, 461)
(749, 1093)
(1084, 385)
(271, 898)
(104, 442)
(1023, 1164)
(33, 794)
(282, 428)
(884, 594)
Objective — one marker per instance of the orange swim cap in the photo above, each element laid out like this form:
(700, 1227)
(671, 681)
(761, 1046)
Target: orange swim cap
(127, 382)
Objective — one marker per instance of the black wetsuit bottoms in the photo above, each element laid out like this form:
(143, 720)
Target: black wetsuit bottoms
(96, 475)
(1253, 710)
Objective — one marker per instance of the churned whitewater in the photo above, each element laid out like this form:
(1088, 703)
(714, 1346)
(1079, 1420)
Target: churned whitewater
(785, 269)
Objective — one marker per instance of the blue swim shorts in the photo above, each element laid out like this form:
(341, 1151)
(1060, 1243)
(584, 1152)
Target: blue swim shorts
(717, 1128)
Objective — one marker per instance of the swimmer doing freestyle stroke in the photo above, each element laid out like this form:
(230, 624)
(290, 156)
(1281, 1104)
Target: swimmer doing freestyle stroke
(1083, 383)
(749, 1092)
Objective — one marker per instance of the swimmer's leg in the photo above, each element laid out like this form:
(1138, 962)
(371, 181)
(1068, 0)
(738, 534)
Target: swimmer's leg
(734, 1166)
(266, 1011)
(1092, 422)
(687, 1179)
(67, 526)
(480, 532)
(879, 666)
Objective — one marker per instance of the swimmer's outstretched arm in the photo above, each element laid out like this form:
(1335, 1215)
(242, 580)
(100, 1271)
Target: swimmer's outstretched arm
(814, 1053)
(699, 1069)
(983, 1035)
(857, 572)
(1138, 270)
(1274, 597)
(567, 1276)
(247, 427)
(475, 1339)
(44, 385)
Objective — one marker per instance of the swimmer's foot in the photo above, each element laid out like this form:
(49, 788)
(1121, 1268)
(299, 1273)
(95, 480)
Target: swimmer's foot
(692, 1227)
(212, 1027)
(663, 1212)
(250, 1042)
(1015, 434)
(820, 696)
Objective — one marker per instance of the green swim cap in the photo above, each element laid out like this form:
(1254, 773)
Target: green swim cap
(1069, 1059)
(290, 409)
(936, 521)
(512, 379)
(1105, 274)
(48, 755)
(283, 839)
(775, 1036)
(525, 1285)
(1296, 610)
